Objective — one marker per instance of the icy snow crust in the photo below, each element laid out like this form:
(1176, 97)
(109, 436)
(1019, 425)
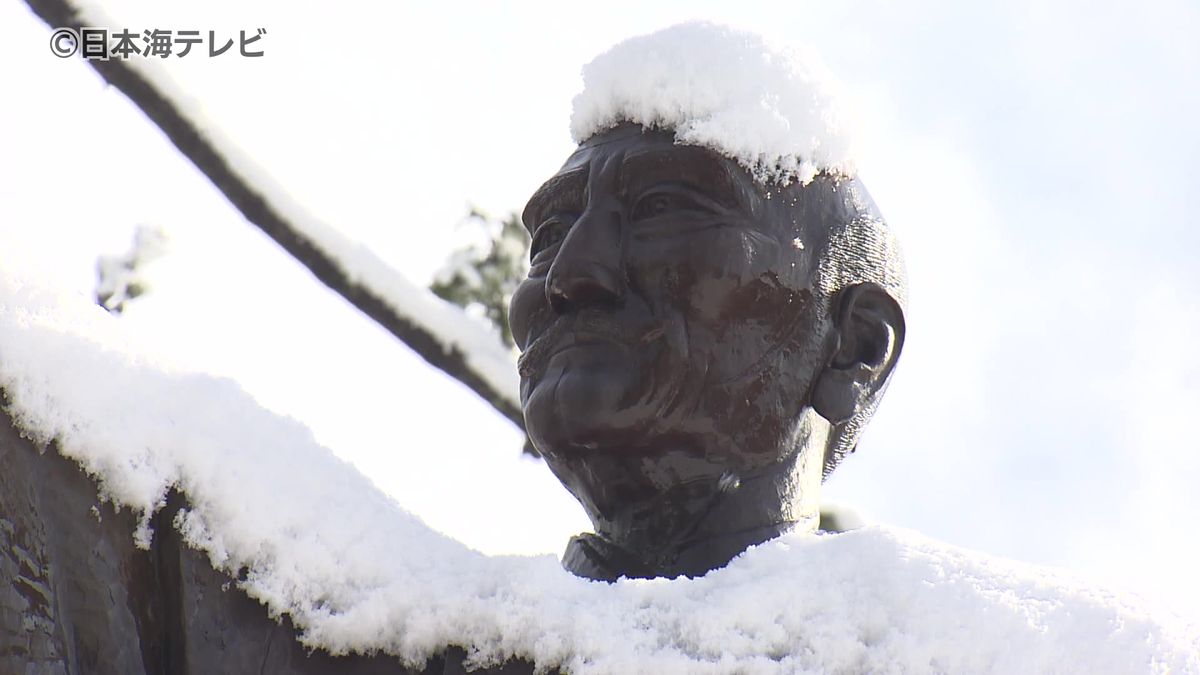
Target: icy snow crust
(770, 109)
(357, 573)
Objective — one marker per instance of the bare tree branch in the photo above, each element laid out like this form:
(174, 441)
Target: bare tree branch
(412, 314)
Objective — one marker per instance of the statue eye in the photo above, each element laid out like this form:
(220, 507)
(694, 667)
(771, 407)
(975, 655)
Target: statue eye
(661, 202)
(549, 233)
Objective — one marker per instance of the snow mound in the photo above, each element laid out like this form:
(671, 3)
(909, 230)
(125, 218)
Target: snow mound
(357, 573)
(770, 109)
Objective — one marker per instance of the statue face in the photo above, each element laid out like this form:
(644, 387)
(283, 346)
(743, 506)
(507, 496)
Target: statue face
(668, 310)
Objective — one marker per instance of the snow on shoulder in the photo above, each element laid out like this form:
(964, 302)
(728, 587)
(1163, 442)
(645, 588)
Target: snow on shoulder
(770, 109)
(357, 573)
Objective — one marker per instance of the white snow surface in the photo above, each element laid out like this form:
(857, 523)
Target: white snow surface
(771, 109)
(357, 573)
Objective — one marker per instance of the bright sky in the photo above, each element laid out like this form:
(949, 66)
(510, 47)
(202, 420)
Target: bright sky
(1039, 161)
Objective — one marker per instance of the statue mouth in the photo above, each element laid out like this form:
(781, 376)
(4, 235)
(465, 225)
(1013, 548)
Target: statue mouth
(584, 339)
(561, 336)
(585, 330)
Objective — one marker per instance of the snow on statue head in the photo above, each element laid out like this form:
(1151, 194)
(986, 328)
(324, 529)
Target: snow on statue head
(714, 304)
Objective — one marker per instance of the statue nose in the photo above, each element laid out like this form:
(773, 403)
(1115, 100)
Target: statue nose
(587, 268)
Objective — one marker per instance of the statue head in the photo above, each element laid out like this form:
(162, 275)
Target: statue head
(700, 346)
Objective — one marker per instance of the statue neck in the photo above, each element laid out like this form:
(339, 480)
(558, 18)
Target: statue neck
(699, 525)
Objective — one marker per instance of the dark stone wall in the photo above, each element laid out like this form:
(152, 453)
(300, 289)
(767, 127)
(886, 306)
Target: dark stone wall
(76, 595)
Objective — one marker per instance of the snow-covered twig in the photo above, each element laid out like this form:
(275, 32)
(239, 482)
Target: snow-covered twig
(121, 278)
(436, 330)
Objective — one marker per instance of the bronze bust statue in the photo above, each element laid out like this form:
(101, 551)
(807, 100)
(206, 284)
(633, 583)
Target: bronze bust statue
(699, 348)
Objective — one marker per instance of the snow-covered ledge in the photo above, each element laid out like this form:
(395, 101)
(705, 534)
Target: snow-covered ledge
(311, 539)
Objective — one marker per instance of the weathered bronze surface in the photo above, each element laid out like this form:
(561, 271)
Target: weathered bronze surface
(698, 349)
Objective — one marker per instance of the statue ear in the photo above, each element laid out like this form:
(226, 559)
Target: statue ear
(868, 334)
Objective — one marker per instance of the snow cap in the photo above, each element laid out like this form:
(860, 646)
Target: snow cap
(769, 109)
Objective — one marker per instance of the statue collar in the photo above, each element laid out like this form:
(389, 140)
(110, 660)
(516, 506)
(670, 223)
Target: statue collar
(594, 557)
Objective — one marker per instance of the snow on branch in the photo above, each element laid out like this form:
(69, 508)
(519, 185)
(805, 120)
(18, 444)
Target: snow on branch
(120, 278)
(436, 330)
